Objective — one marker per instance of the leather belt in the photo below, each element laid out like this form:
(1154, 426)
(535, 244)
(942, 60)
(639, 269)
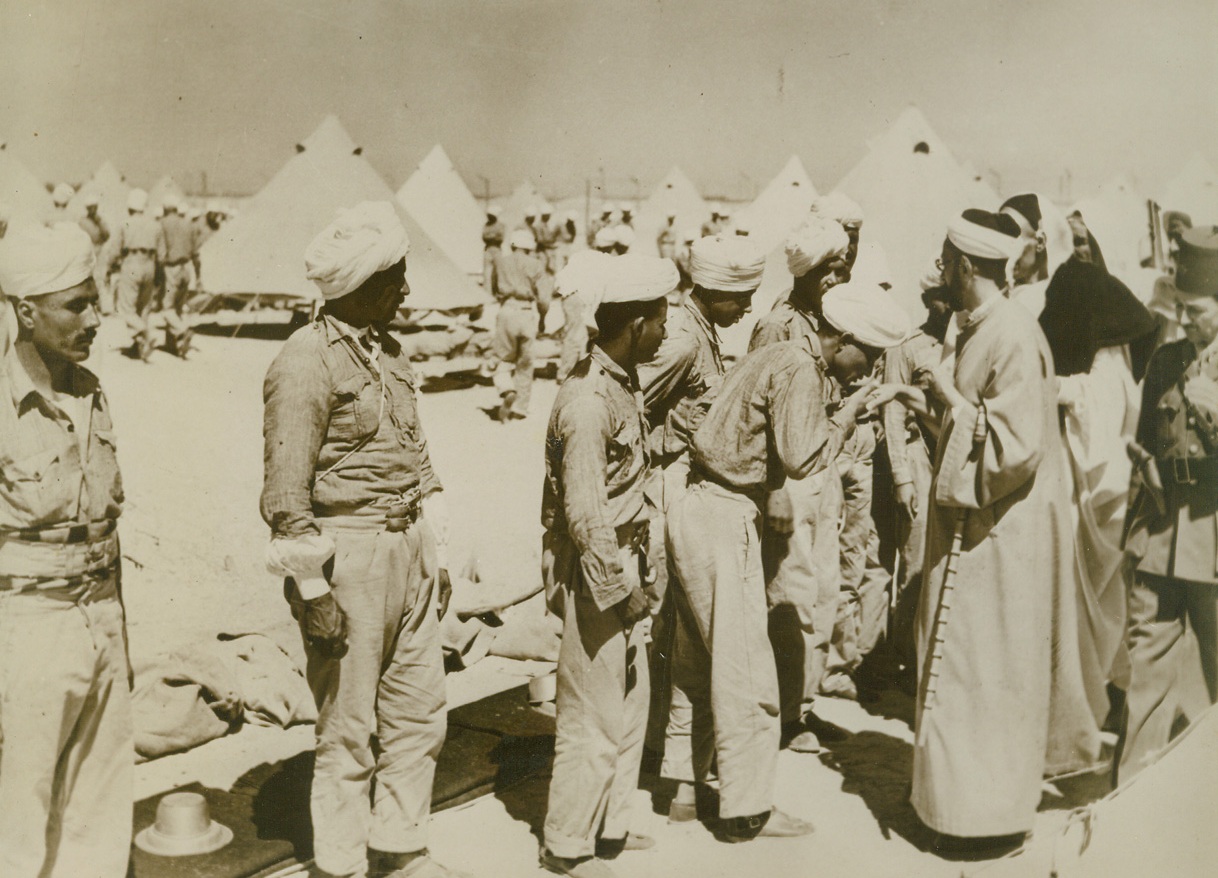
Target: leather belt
(176, 262)
(1188, 470)
(67, 534)
(143, 251)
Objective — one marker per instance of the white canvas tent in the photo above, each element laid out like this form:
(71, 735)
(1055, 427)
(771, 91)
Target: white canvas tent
(1195, 191)
(781, 205)
(261, 251)
(1118, 217)
(111, 190)
(676, 194)
(20, 190)
(438, 198)
(909, 185)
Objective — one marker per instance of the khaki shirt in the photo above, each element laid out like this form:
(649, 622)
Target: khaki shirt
(769, 422)
(596, 467)
(679, 384)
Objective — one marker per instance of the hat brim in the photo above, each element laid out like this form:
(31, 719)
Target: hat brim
(153, 841)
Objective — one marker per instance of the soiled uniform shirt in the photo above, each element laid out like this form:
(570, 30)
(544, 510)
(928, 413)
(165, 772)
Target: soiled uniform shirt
(57, 469)
(181, 239)
(342, 430)
(517, 275)
(596, 466)
(768, 422)
(785, 322)
(679, 384)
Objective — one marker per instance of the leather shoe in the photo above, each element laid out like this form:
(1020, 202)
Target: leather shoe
(776, 824)
(576, 867)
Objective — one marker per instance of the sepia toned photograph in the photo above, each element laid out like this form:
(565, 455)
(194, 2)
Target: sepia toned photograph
(640, 439)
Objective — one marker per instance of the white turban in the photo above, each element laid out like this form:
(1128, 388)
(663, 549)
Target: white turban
(36, 259)
(815, 241)
(522, 239)
(623, 234)
(982, 241)
(361, 241)
(493, 210)
(726, 262)
(637, 278)
(92, 199)
(62, 194)
(583, 272)
(867, 313)
(839, 208)
(137, 200)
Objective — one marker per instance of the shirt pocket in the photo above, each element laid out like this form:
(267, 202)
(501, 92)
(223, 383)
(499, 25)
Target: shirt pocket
(406, 412)
(626, 441)
(356, 409)
(37, 488)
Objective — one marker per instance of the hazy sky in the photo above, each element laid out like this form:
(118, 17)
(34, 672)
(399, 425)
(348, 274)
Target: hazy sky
(558, 92)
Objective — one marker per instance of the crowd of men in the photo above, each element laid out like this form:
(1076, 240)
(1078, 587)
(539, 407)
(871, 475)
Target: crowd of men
(148, 266)
(713, 533)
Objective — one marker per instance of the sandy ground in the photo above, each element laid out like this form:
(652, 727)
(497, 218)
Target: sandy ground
(191, 451)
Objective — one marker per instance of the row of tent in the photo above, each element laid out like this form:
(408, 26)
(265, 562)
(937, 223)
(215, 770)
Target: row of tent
(908, 183)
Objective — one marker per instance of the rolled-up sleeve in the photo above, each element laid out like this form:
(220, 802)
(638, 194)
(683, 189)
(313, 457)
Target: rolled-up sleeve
(584, 427)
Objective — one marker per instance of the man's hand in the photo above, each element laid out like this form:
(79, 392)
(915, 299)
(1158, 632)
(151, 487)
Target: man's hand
(1202, 394)
(324, 625)
(858, 402)
(635, 608)
(907, 500)
(445, 584)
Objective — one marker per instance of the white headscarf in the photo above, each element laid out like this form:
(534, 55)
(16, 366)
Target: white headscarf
(981, 241)
(522, 239)
(839, 208)
(815, 241)
(730, 263)
(868, 313)
(36, 259)
(137, 200)
(636, 278)
(361, 241)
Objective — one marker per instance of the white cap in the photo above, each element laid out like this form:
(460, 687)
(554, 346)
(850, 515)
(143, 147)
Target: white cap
(137, 200)
(726, 262)
(62, 194)
(522, 239)
(36, 260)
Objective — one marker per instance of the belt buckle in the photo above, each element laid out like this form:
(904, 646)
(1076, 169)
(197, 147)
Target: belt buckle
(1183, 474)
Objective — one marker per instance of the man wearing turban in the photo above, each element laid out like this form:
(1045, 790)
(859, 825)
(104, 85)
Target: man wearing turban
(800, 536)
(66, 776)
(594, 562)
(359, 532)
(997, 634)
(768, 424)
(678, 385)
(518, 283)
(138, 248)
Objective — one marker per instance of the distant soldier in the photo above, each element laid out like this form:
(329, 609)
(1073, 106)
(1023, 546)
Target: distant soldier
(181, 256)
(60, 196)
(516, 284)
(604, 221)
(493, 233)
(138, 247)
(97, 230)
(712, 226)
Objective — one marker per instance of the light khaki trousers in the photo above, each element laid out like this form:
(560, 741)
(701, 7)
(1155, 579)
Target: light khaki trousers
(719, 592)
(603, 693)
(66, 743)
(390, 685)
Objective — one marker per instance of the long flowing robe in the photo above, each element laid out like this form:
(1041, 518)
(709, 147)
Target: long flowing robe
(1099, 417)
(997, 640)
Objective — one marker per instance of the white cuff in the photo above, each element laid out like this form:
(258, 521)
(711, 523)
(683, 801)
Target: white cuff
(312, 587)
(301, 557)
(435, 513)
